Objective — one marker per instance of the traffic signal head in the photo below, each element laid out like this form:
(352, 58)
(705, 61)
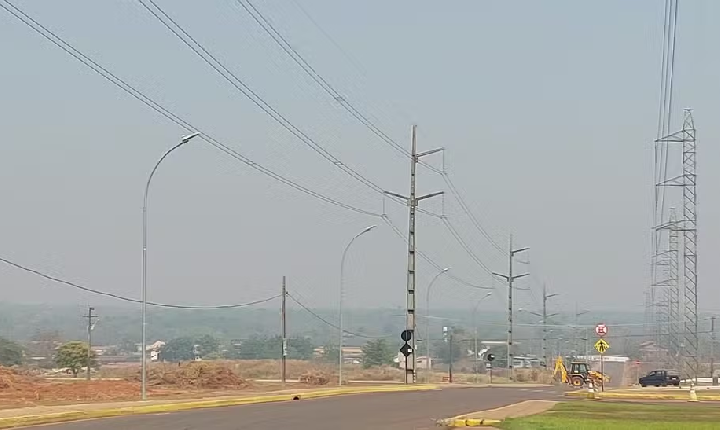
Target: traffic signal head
(490, 357)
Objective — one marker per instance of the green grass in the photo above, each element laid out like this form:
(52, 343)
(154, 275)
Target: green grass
(585, 415)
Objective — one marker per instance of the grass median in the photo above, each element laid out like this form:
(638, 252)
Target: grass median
(582, 415)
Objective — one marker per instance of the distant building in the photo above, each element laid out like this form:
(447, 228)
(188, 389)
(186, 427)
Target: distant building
(153, 349)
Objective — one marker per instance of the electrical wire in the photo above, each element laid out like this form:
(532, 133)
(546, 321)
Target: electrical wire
(300, 61)
(123, 85)
(282, 41)
(465, 246)
(128, 299)
(427, 258)
(126, 87)
(256, 99)
(336, 327)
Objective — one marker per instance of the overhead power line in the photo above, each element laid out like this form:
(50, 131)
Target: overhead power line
(128, 299)
(321, 319)
(285, 45)
(211, 59)
(427, 258)
(152, 104)
(58, 41)
(300, 61)
(465, 246)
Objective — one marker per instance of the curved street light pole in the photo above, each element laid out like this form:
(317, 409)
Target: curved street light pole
(476, 331)
(143, 352)
(340, 306)
(428, 361)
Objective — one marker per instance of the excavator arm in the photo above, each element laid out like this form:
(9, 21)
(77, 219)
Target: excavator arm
(560, 368)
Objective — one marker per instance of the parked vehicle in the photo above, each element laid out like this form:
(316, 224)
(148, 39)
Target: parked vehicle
(660, 378)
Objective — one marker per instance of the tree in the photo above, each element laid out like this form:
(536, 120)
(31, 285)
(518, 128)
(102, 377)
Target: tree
(11, 354)
(377, 353)
(441, 350)
(208, 345)
(331, 353)
(300, 348)
(74, 356)
(263, 348)
(178, 349)
(127, 346)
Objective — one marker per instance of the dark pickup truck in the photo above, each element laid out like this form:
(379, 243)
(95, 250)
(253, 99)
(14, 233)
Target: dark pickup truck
(660, 378)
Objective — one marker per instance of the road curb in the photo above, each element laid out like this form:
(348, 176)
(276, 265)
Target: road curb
(59, 417)
(466, 422)
(644, 396)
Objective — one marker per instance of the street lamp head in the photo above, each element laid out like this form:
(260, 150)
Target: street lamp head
(488, 294)
(187, 138)
(445, 269)
(369, 228)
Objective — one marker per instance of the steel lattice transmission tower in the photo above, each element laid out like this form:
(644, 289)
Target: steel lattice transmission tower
(688, 227)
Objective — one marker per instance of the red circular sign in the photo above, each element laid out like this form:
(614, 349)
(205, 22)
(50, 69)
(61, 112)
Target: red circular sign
(601, 330)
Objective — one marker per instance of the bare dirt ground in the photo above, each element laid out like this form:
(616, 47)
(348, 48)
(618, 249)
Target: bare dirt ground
(20, 388)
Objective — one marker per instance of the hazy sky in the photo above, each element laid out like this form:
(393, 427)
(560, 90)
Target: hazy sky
(547, 111)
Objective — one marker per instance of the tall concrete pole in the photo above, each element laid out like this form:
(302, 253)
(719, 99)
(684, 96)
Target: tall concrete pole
(510, 278)
(412, 201)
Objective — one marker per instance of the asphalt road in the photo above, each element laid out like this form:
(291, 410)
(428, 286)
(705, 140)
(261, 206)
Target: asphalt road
(380, 411)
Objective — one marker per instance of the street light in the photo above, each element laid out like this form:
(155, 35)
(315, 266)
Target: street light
(476, 332)
(340, 306)
(428, 361)
(183, 141)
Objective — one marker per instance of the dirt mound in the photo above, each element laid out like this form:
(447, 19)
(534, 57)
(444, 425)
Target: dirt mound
(10, 379)
(314, 378)
(201, 375)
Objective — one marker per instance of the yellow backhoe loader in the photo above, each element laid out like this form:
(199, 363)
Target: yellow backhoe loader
(579, 374)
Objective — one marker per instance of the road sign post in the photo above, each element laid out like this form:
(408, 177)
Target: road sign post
(601, 330)
(602, 346)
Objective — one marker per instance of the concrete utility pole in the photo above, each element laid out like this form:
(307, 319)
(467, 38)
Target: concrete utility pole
(283, 322)
(412, 201)
(90, 326)
(510, 278)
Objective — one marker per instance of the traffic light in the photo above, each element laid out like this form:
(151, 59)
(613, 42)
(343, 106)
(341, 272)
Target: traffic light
(490, 357)
(446, 333)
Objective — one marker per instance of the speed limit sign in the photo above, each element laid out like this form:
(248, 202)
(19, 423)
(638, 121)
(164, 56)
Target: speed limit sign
(601, 330)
